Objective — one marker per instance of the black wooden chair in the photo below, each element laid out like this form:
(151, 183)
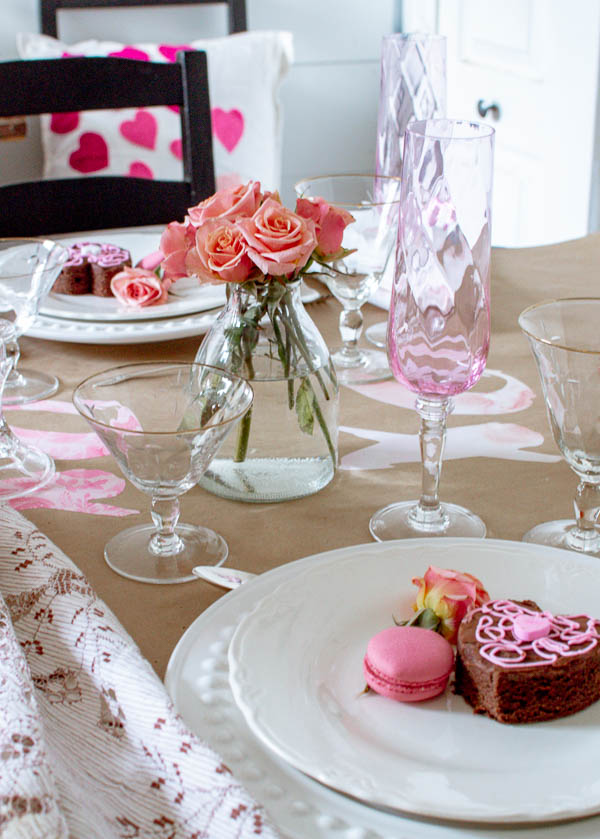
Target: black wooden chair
(103, 202)
(49, 8)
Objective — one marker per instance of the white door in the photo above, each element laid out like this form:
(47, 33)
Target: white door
(534, 65)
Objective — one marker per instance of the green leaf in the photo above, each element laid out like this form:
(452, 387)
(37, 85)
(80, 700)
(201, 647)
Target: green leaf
(304, 407)
(425, 618)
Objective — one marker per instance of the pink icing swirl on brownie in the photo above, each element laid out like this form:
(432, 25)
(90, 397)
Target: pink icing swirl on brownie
(504, 647)
(103, 254)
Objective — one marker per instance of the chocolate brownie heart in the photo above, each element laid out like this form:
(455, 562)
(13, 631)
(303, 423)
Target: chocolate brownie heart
(517, 663)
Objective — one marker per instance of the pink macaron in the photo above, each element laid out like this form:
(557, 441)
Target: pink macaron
(408, 663)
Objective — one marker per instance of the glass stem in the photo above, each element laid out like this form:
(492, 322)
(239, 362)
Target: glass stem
(13, 352)
(165, 515)
(428, 515)
(351, 326)
(584, 536)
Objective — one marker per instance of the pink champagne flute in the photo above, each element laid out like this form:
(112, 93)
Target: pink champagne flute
(439, 322)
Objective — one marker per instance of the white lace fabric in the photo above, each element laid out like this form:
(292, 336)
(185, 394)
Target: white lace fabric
(90, 744)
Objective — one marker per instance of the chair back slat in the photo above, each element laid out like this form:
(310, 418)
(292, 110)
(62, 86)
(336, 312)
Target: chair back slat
(102, 202)
(236, 12)
(106, 202)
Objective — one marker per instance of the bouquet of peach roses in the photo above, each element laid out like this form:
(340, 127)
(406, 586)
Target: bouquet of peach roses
(244, 237)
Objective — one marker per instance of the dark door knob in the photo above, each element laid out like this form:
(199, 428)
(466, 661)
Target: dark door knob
(483, 108)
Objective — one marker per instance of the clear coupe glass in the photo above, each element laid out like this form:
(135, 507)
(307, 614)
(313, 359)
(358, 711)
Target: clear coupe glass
(564, 336)
(28, 269)
(374, 201)
(163, 423)
(23, 469)
(439, 320)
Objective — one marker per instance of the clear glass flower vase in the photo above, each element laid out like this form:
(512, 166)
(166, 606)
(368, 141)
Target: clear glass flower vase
(286, 446)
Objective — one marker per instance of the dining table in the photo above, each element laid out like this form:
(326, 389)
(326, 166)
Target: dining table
(500, 461)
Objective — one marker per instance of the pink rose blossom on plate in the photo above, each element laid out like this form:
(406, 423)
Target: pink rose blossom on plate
(280, 242)
(137, 287)
(449, 595)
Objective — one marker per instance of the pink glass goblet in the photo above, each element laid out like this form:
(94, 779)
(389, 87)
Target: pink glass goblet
(439, 320)
(163, 422)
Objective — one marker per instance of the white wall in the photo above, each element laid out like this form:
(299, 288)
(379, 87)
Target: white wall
(329, 97)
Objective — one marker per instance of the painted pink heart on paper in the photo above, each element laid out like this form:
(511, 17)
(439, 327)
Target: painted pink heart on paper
(174, 108)
(131, 52)
(63, 445)
(92, 154)
(228, 126)
(63, 123)
(140, 170)
(76, 490)
(169, 51)
(176, 149)
(141, 130)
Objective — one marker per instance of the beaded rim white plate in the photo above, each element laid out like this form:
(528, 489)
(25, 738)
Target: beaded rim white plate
(296, 673)
(197, 681)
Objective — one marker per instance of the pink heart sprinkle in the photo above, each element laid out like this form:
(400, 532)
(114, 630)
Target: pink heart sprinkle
(141, 130)
(176, 149)
(228, 126)
(530, 627)
(92, 154)
(63, 123)
(140, 170)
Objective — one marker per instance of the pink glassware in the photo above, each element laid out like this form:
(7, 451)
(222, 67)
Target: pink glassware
(439, 321)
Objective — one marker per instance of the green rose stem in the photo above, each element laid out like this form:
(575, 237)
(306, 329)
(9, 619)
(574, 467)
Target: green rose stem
(293, 339)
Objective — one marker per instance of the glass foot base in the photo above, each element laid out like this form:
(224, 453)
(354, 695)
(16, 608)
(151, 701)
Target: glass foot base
(563, 534)
(28, 386)
(23, 469)
(128, 554)
(373, 367)
(377, 334)
(395, 522)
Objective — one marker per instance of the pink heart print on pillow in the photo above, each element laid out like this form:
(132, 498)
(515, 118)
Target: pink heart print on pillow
(245, 71)
(92, 154)
(228, 126)
(63, 123)
(141, 130)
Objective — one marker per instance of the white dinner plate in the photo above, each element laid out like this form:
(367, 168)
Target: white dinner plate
(121, 332)
(296, 673)
(197, 681)
(186, 296)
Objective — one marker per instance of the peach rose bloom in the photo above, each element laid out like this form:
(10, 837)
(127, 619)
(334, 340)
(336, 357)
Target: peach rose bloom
(450, 594)
(175, 243)
(230, 203)
(330, 223)
(137, 287)
(280, 242)
(220, 253)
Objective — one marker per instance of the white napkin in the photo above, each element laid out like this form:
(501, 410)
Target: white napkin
(91, 746)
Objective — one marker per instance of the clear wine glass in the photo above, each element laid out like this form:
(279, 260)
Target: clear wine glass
(374, 201)
(565, 339)
(412, 86)
(23, 469)
(28, 269)
(439, 319)
(163, 423)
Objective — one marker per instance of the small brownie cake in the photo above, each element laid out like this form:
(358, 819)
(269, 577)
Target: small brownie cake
(90, 268)
(517, 663)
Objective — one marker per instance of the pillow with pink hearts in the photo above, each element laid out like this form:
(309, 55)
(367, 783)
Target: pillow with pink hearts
(245, 71)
